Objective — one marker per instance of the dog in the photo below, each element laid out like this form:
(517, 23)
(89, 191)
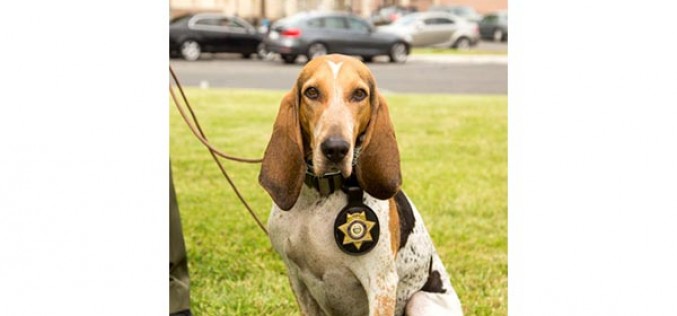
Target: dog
(352, 241)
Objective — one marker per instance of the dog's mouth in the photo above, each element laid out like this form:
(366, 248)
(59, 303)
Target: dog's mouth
(320, 165)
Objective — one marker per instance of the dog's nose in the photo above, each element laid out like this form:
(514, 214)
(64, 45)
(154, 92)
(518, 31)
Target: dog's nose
(335, 149)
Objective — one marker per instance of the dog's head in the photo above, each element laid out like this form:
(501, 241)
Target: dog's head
(332, 116)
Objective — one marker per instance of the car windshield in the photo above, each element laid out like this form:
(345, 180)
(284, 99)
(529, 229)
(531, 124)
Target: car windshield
(290, 20)
(388, 10)
(406, 20)
(461, 10)
(458, 10)
(490, 18)
(179, 19)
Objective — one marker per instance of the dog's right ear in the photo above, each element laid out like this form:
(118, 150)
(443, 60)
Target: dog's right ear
(378, 168)
(283, 168)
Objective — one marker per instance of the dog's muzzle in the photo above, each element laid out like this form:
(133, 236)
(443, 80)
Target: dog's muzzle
(335, 149)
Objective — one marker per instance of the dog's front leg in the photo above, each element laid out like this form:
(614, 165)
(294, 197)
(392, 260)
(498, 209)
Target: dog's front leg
(381, 288)
(306, 302)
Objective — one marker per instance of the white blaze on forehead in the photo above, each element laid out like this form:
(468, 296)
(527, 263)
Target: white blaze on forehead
(335, 120)
(334, 67)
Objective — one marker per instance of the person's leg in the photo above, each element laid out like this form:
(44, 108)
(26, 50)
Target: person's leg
(179, 283)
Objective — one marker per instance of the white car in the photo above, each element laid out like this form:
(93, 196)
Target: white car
(438, 29)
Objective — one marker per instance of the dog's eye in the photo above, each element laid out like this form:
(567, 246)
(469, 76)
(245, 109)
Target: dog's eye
(359, 95)
(312, 93)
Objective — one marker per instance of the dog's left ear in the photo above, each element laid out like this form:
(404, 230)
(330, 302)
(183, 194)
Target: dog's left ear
(283, 168)
(378, 166)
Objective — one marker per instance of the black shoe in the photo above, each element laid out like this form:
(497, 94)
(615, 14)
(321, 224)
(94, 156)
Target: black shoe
(182, 313)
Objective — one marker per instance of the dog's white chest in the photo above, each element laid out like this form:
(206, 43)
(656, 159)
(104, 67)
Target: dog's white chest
(304, 237)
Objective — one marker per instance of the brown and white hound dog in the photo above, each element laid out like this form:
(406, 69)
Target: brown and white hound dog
(334, 122)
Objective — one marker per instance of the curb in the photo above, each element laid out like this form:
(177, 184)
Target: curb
(461, 59)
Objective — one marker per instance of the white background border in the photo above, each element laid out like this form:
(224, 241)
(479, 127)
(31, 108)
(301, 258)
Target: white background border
(84, 158)
(592, 158)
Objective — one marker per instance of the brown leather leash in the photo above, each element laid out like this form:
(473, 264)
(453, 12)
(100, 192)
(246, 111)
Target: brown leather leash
(200, 135)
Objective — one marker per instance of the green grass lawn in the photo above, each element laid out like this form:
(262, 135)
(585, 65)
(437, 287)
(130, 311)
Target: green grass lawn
(452, 51)
(454, 165)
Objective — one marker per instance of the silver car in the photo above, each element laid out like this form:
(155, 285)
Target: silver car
(436, 29)
(464, 11)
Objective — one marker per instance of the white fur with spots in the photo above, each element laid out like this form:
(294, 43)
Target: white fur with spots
(327, 281)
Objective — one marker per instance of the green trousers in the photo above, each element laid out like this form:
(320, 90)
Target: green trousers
(179, 283)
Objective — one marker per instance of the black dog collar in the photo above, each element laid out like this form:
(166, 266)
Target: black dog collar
(326, 184)
(329, 183)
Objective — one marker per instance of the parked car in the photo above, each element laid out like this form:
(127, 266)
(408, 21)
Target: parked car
(495, 26)
(389, 14)
(464, 11)
(191, 35)
(436, 29)
(316, 34)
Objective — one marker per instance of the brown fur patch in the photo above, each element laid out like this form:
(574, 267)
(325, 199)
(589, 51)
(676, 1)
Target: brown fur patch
(394, 227)
(386, 306)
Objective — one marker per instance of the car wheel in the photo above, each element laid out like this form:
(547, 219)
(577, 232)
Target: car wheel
(398, 53)
(498, 35)
(288, 59)
(247, 55)
(261, 51)
(316, 50)
(462, 43)
(190, 50)
(367, 59)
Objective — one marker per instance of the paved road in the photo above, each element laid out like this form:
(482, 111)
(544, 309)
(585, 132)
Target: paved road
(485, 45)
(416, 75)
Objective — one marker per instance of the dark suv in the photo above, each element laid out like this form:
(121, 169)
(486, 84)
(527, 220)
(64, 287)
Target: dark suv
(316, 34)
